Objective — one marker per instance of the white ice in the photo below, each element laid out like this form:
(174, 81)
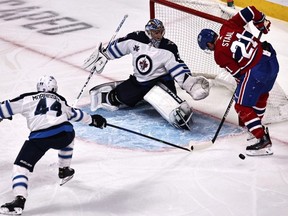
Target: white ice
(114, 181)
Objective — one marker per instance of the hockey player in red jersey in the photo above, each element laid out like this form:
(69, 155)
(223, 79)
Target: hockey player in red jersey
(48, 115)
(254, 66)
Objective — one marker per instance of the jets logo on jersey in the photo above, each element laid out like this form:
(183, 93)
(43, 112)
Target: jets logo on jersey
(144, 64)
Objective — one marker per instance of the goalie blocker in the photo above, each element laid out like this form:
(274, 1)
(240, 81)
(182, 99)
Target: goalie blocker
(172, 108)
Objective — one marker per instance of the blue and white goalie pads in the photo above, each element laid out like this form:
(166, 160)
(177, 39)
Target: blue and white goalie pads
(172, 108)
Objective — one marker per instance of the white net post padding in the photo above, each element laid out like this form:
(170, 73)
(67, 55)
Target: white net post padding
(183, 27)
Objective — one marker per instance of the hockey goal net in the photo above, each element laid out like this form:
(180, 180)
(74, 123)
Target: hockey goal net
(184, 19)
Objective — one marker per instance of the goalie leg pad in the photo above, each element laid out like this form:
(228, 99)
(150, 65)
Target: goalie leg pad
(172, 108)
(99, 96)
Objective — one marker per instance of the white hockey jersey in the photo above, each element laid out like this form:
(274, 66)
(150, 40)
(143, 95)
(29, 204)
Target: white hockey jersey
(150, 62)
(46, 112)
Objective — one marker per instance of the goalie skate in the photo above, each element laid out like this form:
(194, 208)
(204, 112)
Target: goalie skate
(13, 208)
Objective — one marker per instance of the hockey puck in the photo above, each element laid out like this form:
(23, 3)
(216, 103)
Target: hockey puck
(242, 156)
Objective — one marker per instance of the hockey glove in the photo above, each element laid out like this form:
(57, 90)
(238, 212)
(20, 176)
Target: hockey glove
(197, 87)
(262, 25)
(97, 60)
(98, 121)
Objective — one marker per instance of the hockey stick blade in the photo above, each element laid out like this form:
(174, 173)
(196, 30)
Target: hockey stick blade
(200, 146)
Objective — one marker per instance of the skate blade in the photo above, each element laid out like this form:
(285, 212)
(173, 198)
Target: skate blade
(65, 180)
(260, 152)
(5, 211)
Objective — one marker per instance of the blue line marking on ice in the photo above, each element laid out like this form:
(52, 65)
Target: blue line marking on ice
(146, 120)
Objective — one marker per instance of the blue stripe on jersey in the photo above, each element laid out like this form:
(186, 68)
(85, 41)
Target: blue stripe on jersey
(178, 66)
(75, 114)
(113, 53)
(247, 14)
(8, 108)
(51, 132)
(181, 72)
(1, 113)
(81, 115)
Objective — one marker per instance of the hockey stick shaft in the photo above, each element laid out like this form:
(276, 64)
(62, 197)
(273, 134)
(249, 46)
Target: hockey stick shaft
(93, 71)
(224, 117)
(117, 30)
(81, 92)
(149, 137)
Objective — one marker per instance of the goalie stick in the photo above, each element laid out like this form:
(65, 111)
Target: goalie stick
(88, 62)
(207, 144)
(149, 137)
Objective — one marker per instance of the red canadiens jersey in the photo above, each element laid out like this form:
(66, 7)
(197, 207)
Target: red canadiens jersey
(236, 49)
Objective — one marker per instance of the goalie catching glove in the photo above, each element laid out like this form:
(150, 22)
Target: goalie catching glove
(197, 87)
(97, 60)
(98, 121)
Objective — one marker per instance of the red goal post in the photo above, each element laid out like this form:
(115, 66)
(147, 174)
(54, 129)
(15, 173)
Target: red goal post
(183, 20)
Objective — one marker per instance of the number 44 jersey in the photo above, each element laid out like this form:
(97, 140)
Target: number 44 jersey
(42, 110)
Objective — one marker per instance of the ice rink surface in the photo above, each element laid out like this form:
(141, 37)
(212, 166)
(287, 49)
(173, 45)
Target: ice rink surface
(115, 178)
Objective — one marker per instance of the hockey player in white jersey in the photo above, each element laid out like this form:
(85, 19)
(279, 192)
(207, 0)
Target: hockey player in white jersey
(156, 65)
(48, 115)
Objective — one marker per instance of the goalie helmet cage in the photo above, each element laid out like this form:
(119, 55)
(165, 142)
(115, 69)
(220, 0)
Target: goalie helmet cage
(183, 20)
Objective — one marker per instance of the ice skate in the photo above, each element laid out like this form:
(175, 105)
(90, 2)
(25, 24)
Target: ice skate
(262, 147)
(65, 174)
(15, 207)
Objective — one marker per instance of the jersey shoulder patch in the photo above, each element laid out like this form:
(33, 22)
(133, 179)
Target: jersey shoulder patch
(139, 36)
(168, 45)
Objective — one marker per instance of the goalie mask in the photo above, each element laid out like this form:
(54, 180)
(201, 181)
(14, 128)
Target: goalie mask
(155, 30)
(206, 36)
(181, 117)
(47, 84)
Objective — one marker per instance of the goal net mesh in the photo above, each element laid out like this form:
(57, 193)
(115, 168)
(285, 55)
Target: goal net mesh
(182, 26)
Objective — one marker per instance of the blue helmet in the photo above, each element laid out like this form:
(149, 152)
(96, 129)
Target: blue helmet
(153, 25)
(204, 37)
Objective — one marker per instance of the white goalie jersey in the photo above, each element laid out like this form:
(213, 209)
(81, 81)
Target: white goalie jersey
(149, 62)
(42, 110)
